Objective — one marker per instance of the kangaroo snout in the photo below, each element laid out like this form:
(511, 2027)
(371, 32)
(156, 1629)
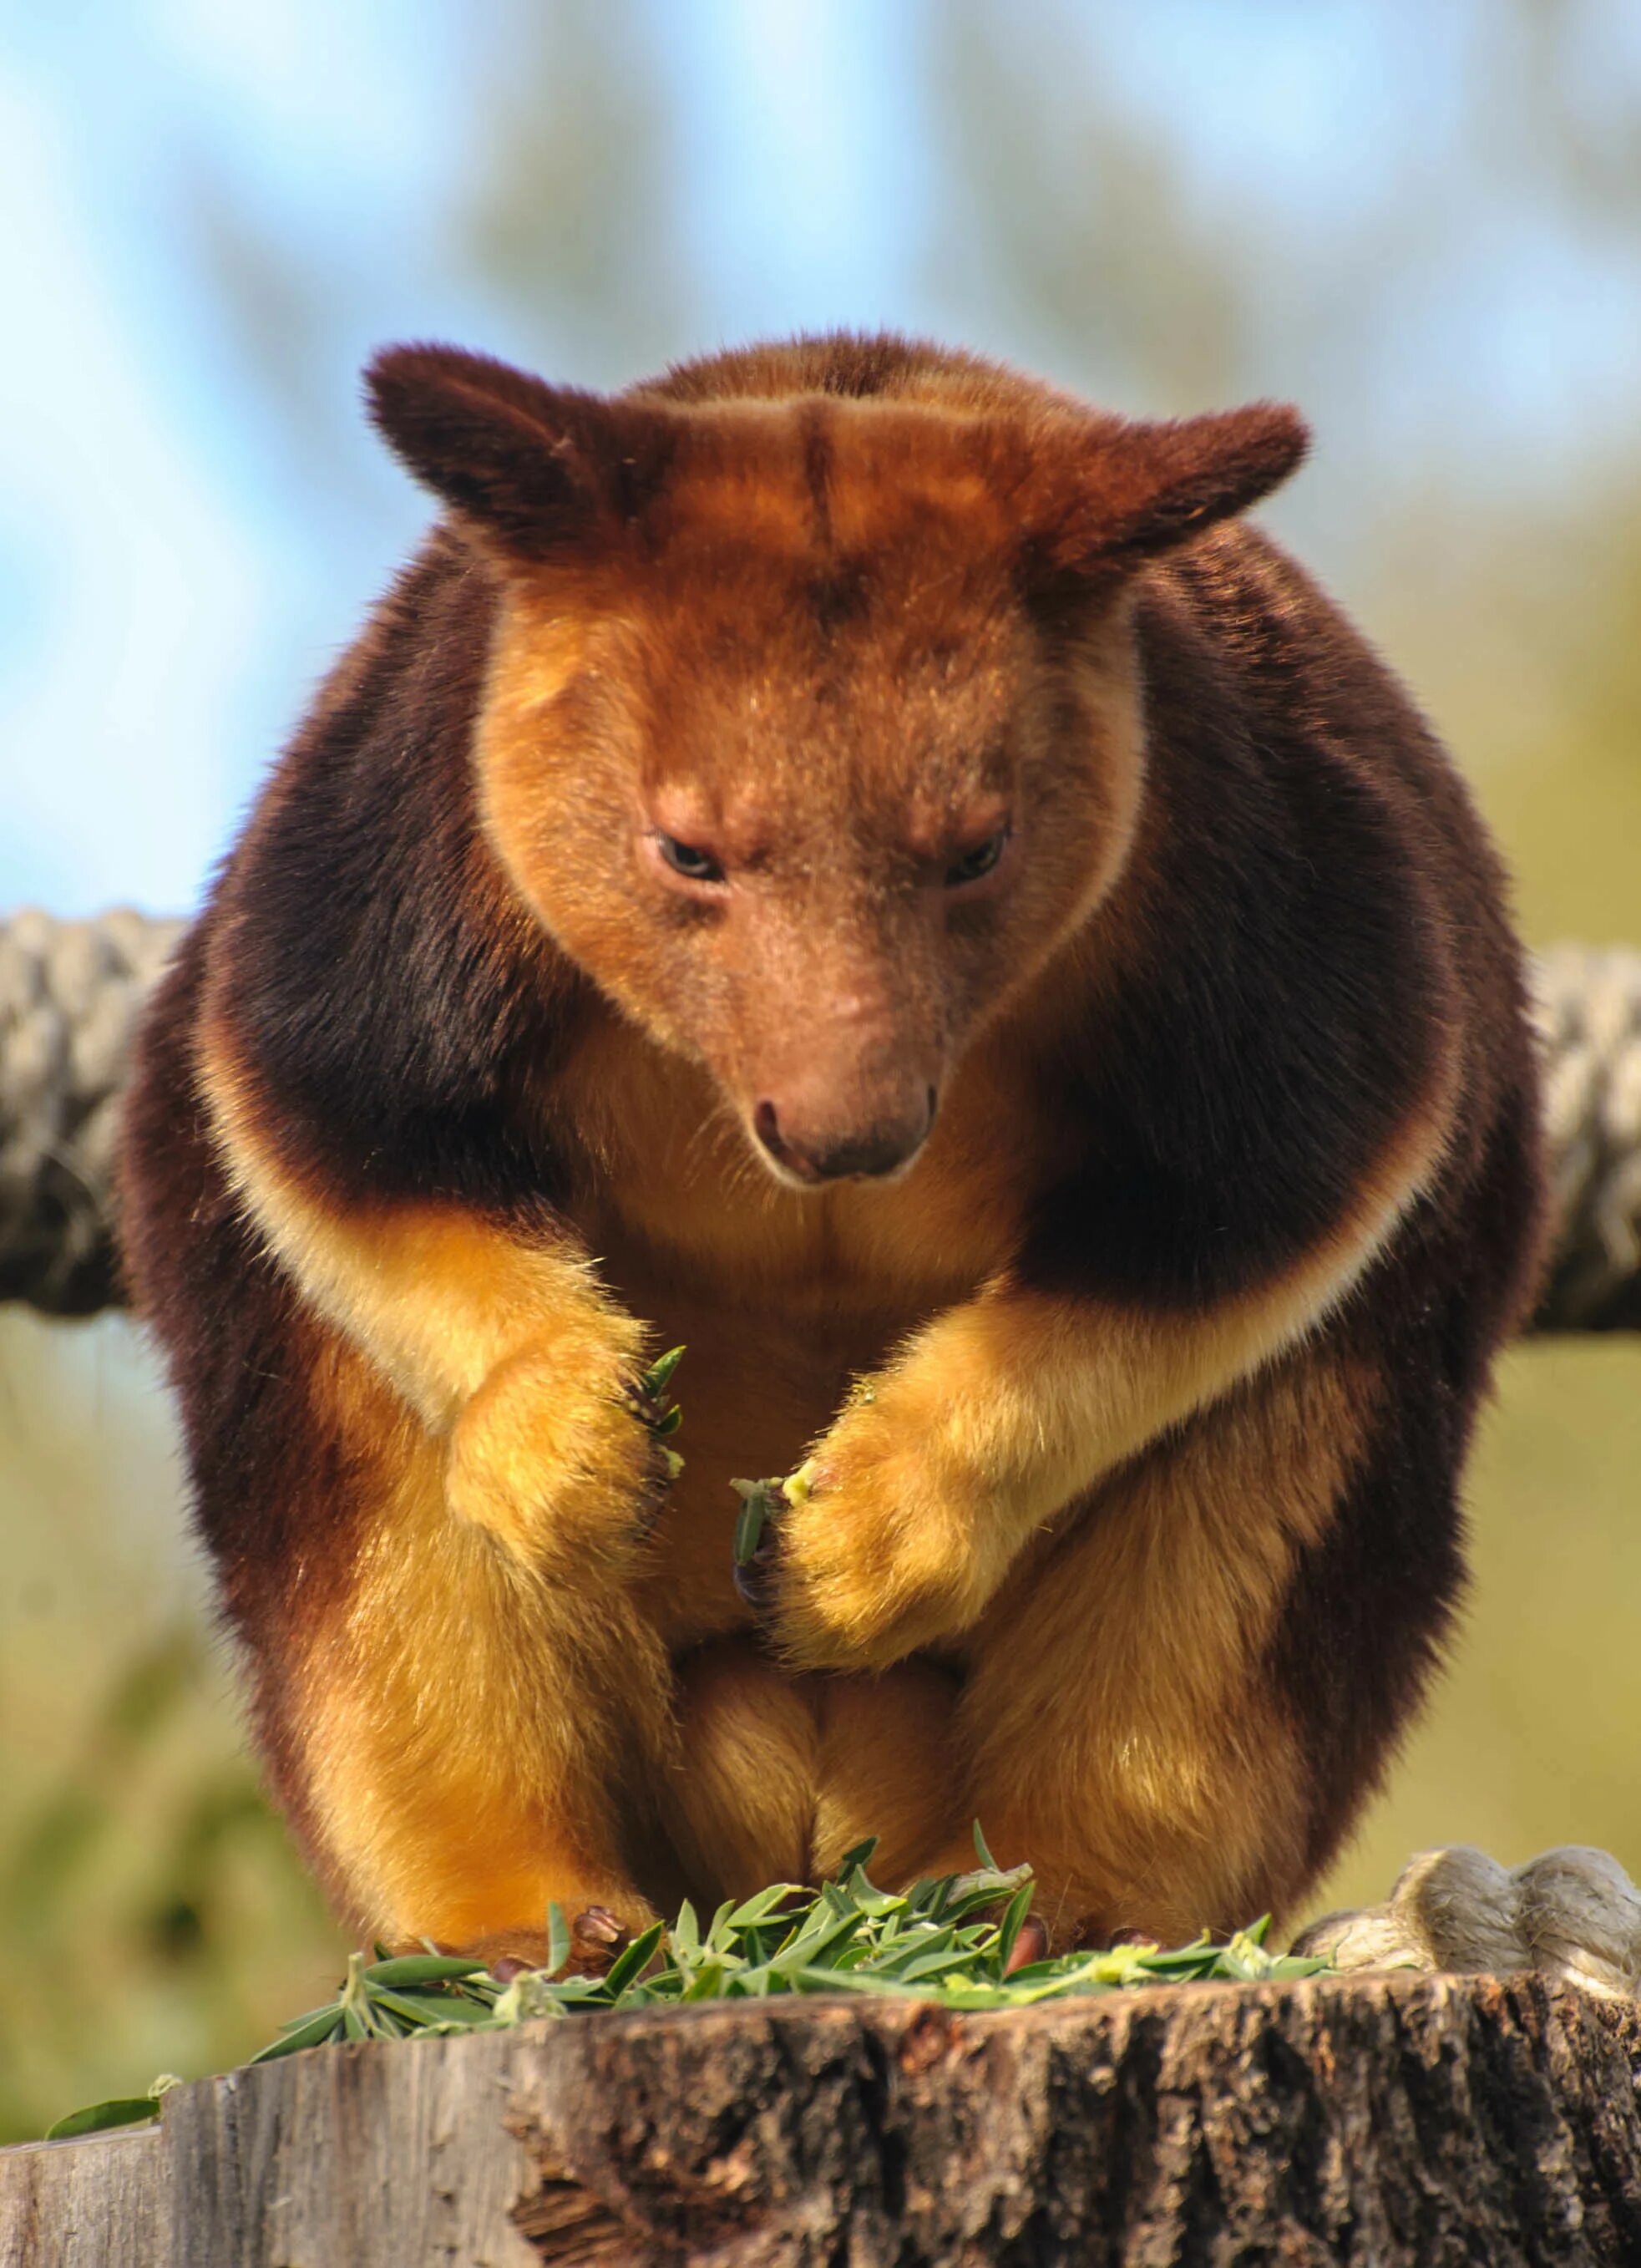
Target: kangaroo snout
(813, 1143)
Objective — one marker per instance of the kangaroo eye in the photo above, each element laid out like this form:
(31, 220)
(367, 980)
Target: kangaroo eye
(978, 862)
(685, 860)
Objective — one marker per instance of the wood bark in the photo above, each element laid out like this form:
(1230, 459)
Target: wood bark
(1371, 2121)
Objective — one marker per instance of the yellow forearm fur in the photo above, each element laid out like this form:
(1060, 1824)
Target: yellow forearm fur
(513, 1352)
(1012, 1406)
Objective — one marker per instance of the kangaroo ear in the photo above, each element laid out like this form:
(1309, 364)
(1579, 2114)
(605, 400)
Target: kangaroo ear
(1122, 493)
(540, 470)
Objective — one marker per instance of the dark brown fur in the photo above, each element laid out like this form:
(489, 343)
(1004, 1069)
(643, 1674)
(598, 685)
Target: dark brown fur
(855, 586)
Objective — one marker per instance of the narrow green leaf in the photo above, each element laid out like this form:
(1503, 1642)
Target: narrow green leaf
(658, 1377)
(629, 1964)
(818, 1936)
(835, 1980)
(1180, 1961)
(558, 1938)
(580, 1992)
(967, 1894)
(422, 1968)
(119, 2110)
(458, 2015)
(417, 2013)
(756, 1504)
(319, 2027)
(1019, 1907)
(709, 1983)
(762, 1906)
(879, 1904)
(855, 1860)
(918, 1947)
(295, 2023)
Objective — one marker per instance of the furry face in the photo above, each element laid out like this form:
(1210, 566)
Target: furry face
(812, 843)
(801, 738)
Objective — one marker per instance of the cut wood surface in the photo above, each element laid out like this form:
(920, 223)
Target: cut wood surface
(1374, 2120)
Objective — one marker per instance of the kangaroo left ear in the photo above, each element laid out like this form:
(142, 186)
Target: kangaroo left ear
(535, 472)
(1118, 493)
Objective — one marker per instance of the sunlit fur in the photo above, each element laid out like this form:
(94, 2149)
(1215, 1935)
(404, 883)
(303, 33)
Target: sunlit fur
(1132, 1401)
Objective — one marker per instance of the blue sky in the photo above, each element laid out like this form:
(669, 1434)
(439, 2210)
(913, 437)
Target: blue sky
(178, 562)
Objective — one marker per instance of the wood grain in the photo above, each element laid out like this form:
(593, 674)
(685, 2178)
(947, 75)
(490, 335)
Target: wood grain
(1375, 2122)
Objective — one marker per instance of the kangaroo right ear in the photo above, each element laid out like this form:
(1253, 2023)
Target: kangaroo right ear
(538, 471)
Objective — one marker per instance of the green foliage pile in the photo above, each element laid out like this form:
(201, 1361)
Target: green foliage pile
(943, 1940)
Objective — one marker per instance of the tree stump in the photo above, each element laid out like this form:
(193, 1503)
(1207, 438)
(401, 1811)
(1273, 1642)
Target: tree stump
(1375, 2120)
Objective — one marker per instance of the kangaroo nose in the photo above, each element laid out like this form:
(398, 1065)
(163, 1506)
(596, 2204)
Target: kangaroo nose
(817, 1155)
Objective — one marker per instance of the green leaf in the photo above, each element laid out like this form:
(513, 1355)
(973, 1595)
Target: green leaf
(580, 1992)
(454, 2014)
(818, 1935)
(312, 2033)
(424, 2009)
(982, 1854)
(119, 2110)
(422, 1968)
(935, 1964)
(762, 1906)
(841, 1980)
(966, 1894)
(708, 1982)
(684, 1938)
(855, 1860)
(939, 1893)
(1189, 1961)
(558, 1938)
(757, 1503)
(879, 1904)
(915, 1948)
(629, 1964)
(658, 1377)
(1019, 1907)
(331, 2008)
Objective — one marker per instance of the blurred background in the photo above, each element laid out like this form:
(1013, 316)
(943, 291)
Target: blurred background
(1419, 218)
